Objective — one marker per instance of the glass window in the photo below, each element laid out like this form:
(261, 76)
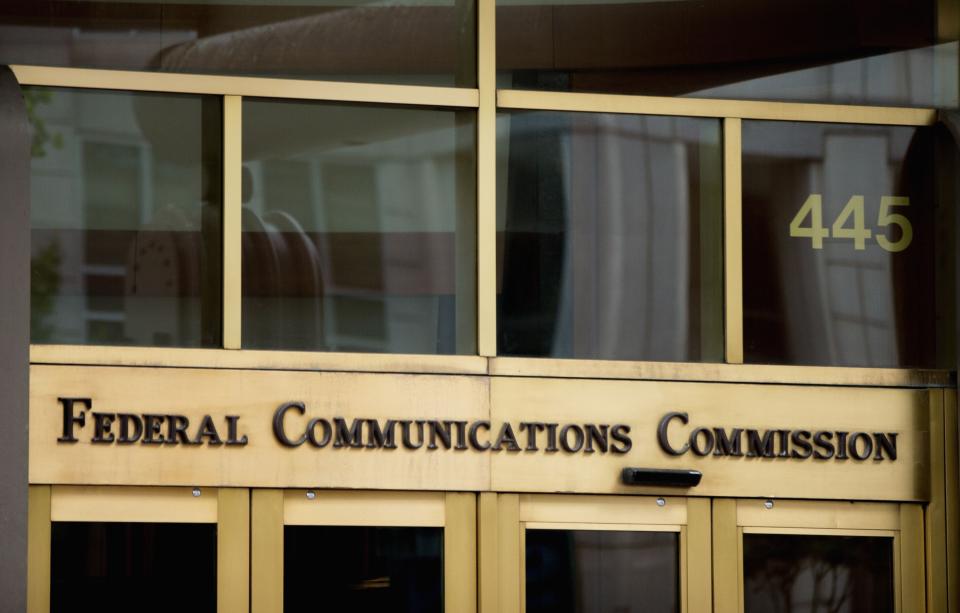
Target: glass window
(359, 228)
(351, 568)
(846, 252)
(121, 567)
(836, 51)
(125, 218)
(594, 571)
(428, 42)
(609, 237)
(820, 574)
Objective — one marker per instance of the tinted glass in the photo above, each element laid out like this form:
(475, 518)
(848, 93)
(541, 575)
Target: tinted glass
(609, 237)
(125, 217)
(819, 574)
(428, 42)
(121, 567)
(846, 248)
(361, 569)
(358, 228)
(838, 51)
(584, 571)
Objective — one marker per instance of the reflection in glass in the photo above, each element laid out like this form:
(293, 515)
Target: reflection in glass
(873, 288)
(837, 51)
(362, 569)
(819, 574)
(122, 567)
(609, 237)
(428, 42)
(125, 218)
(358, 228)
(587, 571)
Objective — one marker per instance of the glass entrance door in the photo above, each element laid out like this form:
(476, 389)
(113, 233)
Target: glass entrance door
(822, 557)
(340, 551)
(593, 554)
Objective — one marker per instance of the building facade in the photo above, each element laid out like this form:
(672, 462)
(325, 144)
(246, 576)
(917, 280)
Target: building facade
(497, 306)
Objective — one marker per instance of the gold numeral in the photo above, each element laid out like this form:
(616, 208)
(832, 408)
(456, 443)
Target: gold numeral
(886, 218)
(858, 233)
(813, 208)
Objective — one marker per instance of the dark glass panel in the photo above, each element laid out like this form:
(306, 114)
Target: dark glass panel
(359, 226)
(874, 287)
(593, 571)
(121, 567)
(125, 218)
(836, 51)
(819, 574)
(362, 569)
(429, 42)
(609, 237)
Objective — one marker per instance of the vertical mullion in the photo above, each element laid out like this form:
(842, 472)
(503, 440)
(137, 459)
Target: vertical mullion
(38, 549)
(460, 552)
(233, 550)
(726, 557)
(266, 551)
(232, 203)
(732, 242)
(486, 179)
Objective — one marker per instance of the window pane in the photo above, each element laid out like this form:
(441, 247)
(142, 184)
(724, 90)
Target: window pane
(820, 574)
(122, 567)
(847, 256)
(584, 571)
(125, 218)
(349, 568)
(358, 228)
(429, 42)
(837, 51)
(609, 237)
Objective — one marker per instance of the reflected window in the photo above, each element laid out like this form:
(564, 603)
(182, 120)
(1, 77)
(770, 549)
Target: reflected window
(122, 567)
(834, 51)
(845, 246)
(353, 568)
(359, 226)
(125, 218)
(425, 42)
(609, 237)
(598, 571)
(820, 574)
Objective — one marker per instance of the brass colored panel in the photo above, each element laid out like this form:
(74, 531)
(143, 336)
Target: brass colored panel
(488, 559)
(720, 373)
(952, 481)
(254, 396)
(263, 87)
(732, 242)
(816, 514)
(509, 549)
(233, 550)
(602, 510)
(460, 553)
(133, 504)
(363, 508)
(698, 552)
(38, 549)
(603, 527)
(641, 406)
(266, 551)
(486, 180)
(935, 514)
(726, 557)
(691, 107)
(256, 360)
(912, 583)
(232, 205)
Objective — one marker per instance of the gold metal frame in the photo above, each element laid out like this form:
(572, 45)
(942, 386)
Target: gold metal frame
(453, 511)
(226, 507)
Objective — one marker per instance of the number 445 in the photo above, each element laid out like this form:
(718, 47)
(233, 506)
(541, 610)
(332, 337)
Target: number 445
(816, 232)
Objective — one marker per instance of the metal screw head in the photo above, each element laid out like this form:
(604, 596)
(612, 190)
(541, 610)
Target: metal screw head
(661, 502)
(767, 504)
(311, 495)
(196, 492)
